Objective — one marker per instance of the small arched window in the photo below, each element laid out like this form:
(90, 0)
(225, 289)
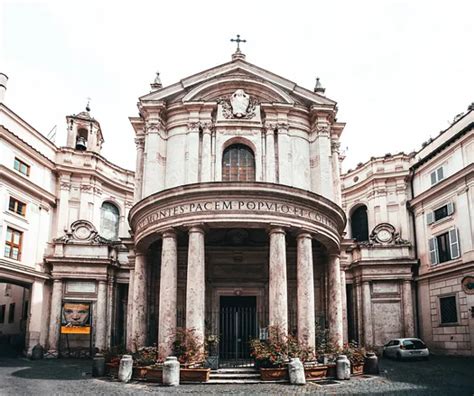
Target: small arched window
(109, 221)
(360, 224)
(238, 163)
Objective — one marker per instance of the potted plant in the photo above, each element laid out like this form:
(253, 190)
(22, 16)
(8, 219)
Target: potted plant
(271, 355)
(142, 359)
(356, 355)
(191, 354)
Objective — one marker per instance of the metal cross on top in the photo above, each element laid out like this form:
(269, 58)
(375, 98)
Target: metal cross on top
(238, 40)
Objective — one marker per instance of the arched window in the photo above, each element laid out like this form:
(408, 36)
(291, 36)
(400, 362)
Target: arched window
(238, 163)
(360, 224)
(109, 221)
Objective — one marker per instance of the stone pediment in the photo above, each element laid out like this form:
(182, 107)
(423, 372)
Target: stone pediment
(223, 80)
(83, 232)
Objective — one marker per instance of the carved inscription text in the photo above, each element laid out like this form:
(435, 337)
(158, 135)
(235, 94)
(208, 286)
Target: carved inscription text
(233, 205)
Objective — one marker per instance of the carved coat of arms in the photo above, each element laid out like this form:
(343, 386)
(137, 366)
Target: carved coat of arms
(239, 105)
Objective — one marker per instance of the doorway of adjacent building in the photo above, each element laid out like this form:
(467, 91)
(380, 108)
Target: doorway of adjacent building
(238, 325)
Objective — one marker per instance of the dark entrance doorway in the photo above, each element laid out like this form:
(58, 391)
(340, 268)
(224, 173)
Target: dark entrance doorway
(238, 325)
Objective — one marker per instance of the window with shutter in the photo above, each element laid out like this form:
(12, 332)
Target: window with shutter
(433, 248)
(450, 208)
(430, 218)
(437, 175)
(454, 243)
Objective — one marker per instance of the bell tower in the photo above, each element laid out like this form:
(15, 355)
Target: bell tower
(83, 132)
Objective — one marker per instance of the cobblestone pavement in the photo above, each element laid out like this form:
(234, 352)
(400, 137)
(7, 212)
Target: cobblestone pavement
(439, 376)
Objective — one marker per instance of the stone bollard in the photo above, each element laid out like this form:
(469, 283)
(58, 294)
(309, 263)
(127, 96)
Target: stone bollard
(125, 368)
(343, 368)
(98, 365)
(371, 363)
(171, 371)
(296, 372)
(37, 352)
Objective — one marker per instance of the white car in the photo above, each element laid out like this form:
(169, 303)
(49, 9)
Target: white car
(404, 348)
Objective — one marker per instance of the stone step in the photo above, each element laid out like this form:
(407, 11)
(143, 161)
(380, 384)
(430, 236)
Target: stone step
(234, 371)
(240, 375)
(241, 381)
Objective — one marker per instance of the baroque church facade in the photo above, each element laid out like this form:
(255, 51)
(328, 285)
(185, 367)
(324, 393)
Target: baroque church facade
(237, 218)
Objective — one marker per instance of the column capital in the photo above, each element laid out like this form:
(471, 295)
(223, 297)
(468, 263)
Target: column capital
(275, 229)
(198, 227)
(58, 280)
(302, 234)
(334, 256)
(169, 233)
(102, 282)
(139, 254)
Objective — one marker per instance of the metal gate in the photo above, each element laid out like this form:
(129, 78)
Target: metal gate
(237, 326)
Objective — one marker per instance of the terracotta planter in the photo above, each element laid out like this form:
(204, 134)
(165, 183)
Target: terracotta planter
(357, 369)
(154, 374)
(315, 372)
(194, 374)
(331, 373)
(274, 374)
(112, 369)
(139, 373)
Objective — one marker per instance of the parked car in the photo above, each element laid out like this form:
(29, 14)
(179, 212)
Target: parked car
(404, 348)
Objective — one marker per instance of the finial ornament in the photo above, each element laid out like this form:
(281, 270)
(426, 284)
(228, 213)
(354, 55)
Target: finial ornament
(156, 84)
(88, 105)
(318, 88)
(238, 54)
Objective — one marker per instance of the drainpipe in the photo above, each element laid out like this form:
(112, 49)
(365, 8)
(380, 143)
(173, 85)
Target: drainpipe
(415, 247)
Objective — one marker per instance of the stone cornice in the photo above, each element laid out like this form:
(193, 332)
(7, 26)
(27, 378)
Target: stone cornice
(16, 141)
(20, 273)
(26, 185)
(444, 185)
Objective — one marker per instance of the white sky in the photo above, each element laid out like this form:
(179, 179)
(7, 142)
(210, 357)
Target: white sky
(399, 70)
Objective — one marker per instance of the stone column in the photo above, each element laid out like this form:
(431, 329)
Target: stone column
(270, 176)
(101, 314)
(367, 314)
(168, 293)
(344, 307)
(140, 142)
(139, 336)
(336, 176)
(36, 308)
(195, 282)
(409, 321)
(206, 154)
(335, 301)
(129, 341)
(278, 289)
(305, 290)
(55, 318)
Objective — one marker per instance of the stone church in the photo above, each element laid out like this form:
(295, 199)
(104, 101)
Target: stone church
(236, 218)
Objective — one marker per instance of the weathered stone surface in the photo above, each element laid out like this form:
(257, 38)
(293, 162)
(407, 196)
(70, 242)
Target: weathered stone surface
(168, 293)
(278, 301)
(305, 290)
(125, 368)
(195, 289)
(171, 371)
(343, 368)
(335, 301)
(296, 372)
(139, 312)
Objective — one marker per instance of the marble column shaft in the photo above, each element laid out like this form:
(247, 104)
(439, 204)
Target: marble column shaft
(367, 314)
(305, 290)
(139, 303)
(335, 302)
(101, 324)
(206, 155)
(270, 155)
(344, 307)
(278, 289)
(195, 284)
(55, 317)
(409, 322)
(129, 328)
(168, 293)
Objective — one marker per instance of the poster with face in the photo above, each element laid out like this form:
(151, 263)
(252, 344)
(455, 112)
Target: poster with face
(76, 318)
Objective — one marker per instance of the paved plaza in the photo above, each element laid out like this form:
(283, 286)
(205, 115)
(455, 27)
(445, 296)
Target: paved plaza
(439, 376)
